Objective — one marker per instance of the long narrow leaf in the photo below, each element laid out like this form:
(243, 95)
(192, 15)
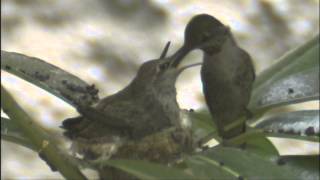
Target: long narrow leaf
(306, 165)
(148, 170)
(299, 87)
(293, 136)
(304, 123)
(295, 78)
(10, 132)
(261, 146)
(295, 60)
(249, 165)
(205, 168)
(49, 77)
(41, 140)
(202, 126)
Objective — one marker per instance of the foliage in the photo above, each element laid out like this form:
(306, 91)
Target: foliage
(294, 78)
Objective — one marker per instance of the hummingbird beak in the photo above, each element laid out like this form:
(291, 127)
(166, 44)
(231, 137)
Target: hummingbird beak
(165, 50)
(188, 66)
(179, 55)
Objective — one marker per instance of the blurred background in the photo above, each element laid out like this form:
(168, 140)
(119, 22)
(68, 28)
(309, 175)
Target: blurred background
(104, 42)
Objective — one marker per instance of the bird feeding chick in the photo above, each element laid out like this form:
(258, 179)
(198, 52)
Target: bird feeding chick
(146, 106)
(227, 74)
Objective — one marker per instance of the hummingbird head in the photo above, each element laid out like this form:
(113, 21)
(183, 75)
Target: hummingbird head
(158, 73)
(161, 74)
(205, 32)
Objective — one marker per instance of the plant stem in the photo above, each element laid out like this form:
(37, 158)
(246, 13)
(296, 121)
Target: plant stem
(39, 138)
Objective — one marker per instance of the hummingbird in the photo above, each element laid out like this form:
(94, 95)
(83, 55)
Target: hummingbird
(145, 106)
(227, 74)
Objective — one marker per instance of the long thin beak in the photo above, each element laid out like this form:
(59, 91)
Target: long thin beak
(179, 55)
(165, 50)
(188, 66)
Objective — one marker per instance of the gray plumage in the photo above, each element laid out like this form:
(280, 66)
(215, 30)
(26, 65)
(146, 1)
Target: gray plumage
(227, 78)
(147, 105)
(227, 73)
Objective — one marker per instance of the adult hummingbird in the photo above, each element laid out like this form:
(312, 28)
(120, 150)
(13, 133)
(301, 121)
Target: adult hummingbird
(145, 106)
(227, 74)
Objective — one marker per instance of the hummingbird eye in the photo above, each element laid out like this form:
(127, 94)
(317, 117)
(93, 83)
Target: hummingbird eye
(205, 36)
(164, 66)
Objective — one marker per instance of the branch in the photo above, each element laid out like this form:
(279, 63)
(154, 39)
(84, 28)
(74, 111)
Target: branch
(42, 142)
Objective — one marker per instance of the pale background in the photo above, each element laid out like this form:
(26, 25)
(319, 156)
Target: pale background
(103, 42)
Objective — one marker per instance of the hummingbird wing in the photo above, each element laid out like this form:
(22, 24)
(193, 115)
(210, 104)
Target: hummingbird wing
(111, 119)
(245, 75)
(83, 127)
(73, 126)
(92, 138)
(243, 80)
(91, 121)
(138, 115)
(118, 118)
(227, 80)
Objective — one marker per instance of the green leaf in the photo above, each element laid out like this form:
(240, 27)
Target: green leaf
(295, 78)
(292, 136)
(148, 170)
(261, 146)
(9, 127)
(45, 145)
(10, 132)
(203, 127)
(205, 168)
(299, 87)
(202, 119)
(255, 141)
(305, 123)
(306, 165)
(249, 165)
(49, 77)
(295, 60)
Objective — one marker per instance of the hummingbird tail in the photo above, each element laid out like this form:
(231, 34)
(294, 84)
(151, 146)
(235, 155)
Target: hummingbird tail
(71, 126)
(70, 122)
(234, 132)
(233, 129)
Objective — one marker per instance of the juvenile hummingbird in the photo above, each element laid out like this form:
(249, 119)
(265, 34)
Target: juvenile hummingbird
(227, 74)
(147, 105)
